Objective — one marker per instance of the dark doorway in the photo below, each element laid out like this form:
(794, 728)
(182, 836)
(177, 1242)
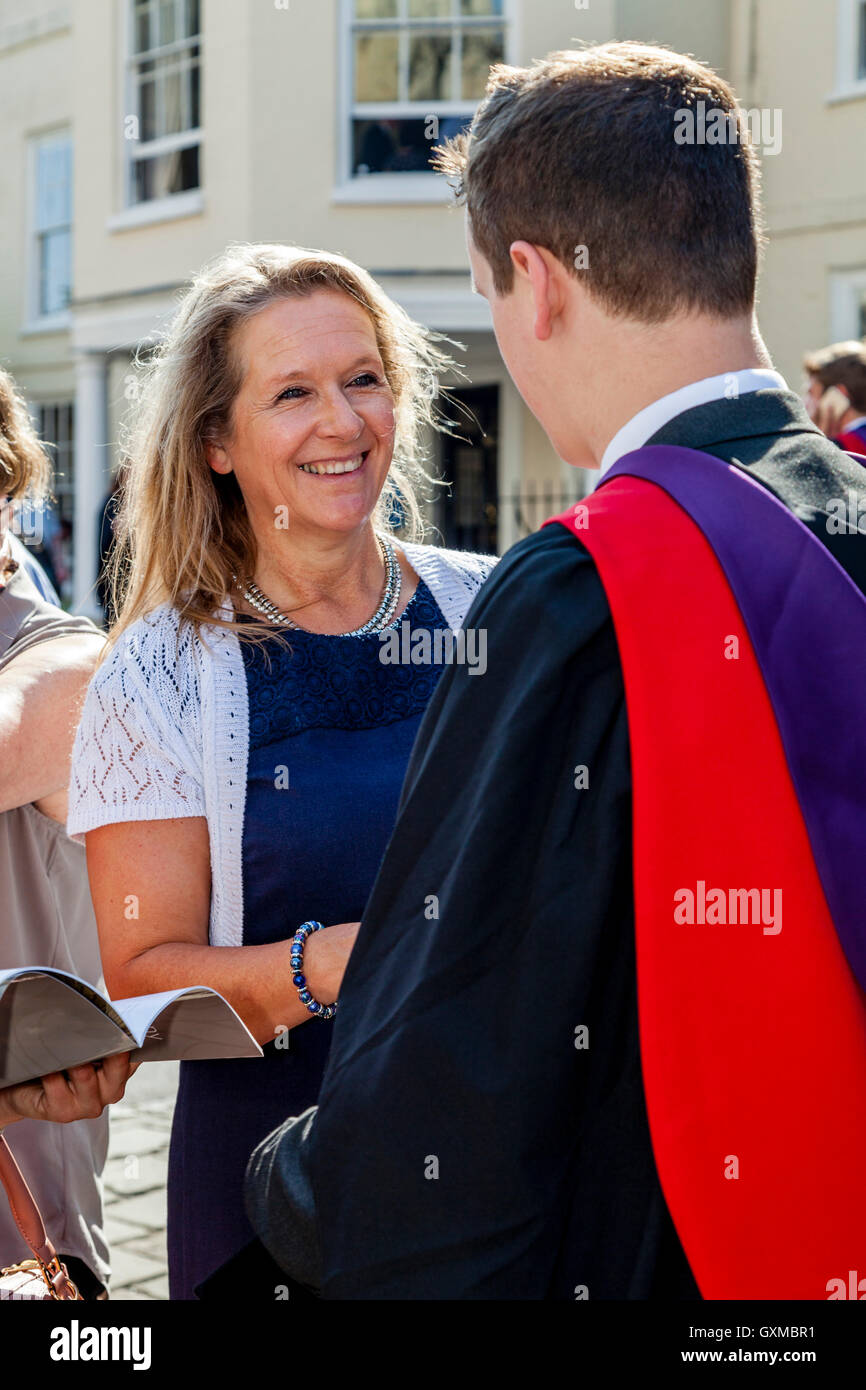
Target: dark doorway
(468, 510)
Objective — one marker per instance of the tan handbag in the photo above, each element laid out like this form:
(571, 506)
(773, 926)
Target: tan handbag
(43, 1277)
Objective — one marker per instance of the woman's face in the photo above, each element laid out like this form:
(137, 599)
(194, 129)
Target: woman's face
(312, 427)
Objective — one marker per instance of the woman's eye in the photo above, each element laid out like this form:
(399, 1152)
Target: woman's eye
(294, 393)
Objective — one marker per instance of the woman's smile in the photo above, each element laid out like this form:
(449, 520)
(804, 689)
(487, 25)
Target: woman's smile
(330, 468)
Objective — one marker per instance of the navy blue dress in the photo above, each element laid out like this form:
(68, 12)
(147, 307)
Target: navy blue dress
(331, 729)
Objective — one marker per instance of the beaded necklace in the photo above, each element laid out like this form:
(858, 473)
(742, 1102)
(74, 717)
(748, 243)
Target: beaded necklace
(381, 619)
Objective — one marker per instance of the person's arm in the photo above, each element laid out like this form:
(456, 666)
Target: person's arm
(150, 882)
(41, 692)
(81, 1093)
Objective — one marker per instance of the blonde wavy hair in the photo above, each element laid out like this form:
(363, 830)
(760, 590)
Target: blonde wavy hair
(25, 471)
(24, 467)
(182, 530)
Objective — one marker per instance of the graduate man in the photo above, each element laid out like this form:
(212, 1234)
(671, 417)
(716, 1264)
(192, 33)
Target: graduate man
(602, 1034)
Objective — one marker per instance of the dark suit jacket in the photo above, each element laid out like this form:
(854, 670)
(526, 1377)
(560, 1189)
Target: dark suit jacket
(463, 1147)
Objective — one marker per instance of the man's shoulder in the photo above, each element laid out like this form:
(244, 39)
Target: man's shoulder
(551, 554)
(546, 585)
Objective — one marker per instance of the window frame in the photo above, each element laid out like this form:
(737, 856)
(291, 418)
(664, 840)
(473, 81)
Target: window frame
(394, 187)
(850, 83)
(135, 212)
(847, 303)
(36, 320)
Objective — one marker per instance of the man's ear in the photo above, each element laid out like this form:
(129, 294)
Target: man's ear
(536, 266)
(217, 456)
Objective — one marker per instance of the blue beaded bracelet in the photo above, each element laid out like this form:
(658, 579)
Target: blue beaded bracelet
(299, 979)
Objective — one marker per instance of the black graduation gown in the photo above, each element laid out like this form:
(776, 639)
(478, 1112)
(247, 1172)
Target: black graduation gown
(468, 1144)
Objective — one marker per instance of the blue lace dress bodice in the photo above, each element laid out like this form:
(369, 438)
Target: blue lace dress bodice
(331, 729)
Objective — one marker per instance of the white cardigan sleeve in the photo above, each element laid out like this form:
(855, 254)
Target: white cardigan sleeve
(137, 753)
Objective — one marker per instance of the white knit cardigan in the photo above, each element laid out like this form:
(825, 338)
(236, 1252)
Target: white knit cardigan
(164, 731)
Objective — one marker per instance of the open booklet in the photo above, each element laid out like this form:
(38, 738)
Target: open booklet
(50, 1021)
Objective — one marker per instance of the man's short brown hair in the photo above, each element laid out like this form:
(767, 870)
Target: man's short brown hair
(579, 150)
(841, 364)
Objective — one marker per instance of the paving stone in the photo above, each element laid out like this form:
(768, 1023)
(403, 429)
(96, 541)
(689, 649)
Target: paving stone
(132, 1174)
(157, 1116)
(150, 1243)
(148, 1209)
(134, 1138)
(154, 1081)
(154, 1288)
(118, 1231)
(131, 1267)
(135, 1205)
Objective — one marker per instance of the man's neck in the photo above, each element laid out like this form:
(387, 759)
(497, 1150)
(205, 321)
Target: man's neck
(665, 358)
(726, 386)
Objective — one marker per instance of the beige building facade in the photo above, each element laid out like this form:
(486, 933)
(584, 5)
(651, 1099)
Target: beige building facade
(140, 137)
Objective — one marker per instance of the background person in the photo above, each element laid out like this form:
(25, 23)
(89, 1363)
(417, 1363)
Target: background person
(836, 394)
(46, 916)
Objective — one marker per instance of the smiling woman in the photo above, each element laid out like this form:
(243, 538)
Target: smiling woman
(218, 763)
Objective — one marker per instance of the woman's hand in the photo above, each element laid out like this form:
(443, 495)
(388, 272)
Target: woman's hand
(326, 956)
(81, 1093)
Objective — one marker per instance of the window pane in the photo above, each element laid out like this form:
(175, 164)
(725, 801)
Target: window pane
(481, 7)
(430, 67)
(142, 27)
(172, 116)
(481, 49)
(195, 96)
(167, 32)
(54, 272)
(376, 9)
(165, 174)
(193, 18)
(400, 147)
(427, 9)
(376, 67)
(53, 184)
(147, 110)
(185, 174)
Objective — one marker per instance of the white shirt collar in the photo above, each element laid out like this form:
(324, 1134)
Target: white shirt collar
(648, 421)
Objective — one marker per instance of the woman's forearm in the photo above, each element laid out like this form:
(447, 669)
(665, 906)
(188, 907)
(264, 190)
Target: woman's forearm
(256, 980)
(151, 887)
